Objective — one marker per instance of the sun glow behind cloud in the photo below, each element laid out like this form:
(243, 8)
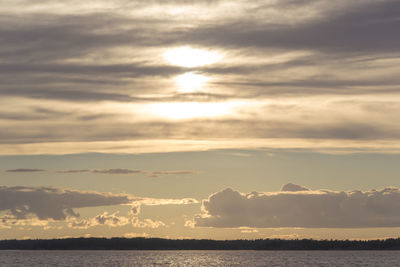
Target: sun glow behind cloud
(187, 110)
(189, 57)
(190, 82)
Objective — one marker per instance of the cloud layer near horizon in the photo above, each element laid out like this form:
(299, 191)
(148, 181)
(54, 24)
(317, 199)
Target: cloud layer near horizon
(53, 203)
(304, 70)
(50, 203)
(300, 207)
(116, 171)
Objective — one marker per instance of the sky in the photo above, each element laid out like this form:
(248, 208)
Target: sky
(200, 119)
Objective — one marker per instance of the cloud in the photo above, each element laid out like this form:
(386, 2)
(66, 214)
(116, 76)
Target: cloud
(49, 203)
(293, 187)
(306, 208)
(74, 171)
(8, 221)
(88, 46)
(323, 122)
(110, 220)
(135, 210)
(133, 235)
(177, 172)
(189, 223)
(85, 65)
(160, 201)
(247, 230)
(25, 170)
(113, 220)
(131, 172)
(146, 223)
(368, 26)
(54, 203)
(117, 171)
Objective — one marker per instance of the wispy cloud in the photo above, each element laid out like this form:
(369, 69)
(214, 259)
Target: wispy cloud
(73, 171)
(117, 171)
(25, 170)
(177, 172)
(293, 66)
(131, 172)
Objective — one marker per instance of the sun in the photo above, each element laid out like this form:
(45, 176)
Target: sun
(189, 57)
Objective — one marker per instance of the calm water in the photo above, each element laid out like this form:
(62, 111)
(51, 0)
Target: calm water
(199, 258)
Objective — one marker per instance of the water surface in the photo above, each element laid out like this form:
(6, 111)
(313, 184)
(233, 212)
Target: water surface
(199, 258)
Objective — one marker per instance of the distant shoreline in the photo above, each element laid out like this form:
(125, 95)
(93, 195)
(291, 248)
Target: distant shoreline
(197, 244)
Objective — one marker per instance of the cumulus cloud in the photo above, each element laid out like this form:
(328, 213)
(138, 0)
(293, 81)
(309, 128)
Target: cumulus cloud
(146, 223)
(135, 209)
(111, 220)
(8, 221)
(48, 203)
(300, 207)
(54, 203)
(189, 223)
(114, 220)
(293, 187)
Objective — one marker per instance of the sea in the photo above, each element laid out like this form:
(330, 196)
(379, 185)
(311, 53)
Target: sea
(198, 258)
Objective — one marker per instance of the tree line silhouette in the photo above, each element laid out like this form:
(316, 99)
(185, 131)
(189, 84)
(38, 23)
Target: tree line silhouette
(197, 244)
